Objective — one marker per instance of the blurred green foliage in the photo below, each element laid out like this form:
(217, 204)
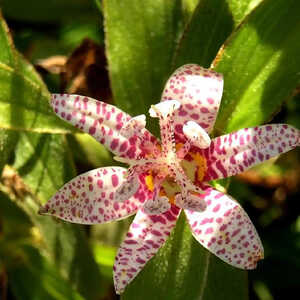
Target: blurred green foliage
(254, 43)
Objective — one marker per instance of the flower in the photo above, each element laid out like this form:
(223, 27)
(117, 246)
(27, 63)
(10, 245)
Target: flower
(168, 175)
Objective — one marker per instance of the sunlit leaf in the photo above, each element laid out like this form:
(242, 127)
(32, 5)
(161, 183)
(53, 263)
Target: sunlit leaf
(105, 256)
(89, 151)
(260, 64)
(211, 24)
(23, 96)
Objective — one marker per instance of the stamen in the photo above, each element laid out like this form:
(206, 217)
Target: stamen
(123, 160)
(190, 201)
(127, 189)
(160, 202)
(157, 206)
(196, 134)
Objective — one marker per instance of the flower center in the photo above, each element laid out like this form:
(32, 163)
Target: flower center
(171, 171)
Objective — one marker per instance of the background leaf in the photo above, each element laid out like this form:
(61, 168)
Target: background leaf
(211, 23)
(54, 10)
(188, 7)
(23, 95)
(33, 278)
(31, 274)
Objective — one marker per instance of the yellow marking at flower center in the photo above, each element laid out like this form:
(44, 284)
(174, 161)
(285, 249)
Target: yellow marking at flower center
(195, 170)
(149, 182)
(178, 146)
(162, 192)
(167, 189)
(201, 165)
(172, 200)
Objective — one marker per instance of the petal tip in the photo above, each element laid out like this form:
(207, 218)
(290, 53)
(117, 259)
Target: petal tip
(120, 284)
(119, 291)
(43, 210)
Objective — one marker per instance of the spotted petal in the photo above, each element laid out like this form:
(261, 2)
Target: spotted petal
(89, 198)
(146, 235)
(236, 152)
(104, 122)
(199, 91)
(225, 229)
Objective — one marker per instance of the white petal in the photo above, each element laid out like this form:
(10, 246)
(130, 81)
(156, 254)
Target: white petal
(133, 126)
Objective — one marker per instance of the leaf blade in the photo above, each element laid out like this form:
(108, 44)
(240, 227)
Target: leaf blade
(138, 69)
(267, 68)
(24, 99)
(211, 24)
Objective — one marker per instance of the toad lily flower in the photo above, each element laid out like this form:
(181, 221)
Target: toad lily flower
(168, 175)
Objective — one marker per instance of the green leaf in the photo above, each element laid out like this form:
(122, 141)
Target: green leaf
(260, 63)
(44, 162)
(211, 24)
(99, 5)
(140, 41)
(188, 7)
(73, 33)
(105, 257)
(89, 151)
(33, 277)
(183, 269)
(24, 99)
